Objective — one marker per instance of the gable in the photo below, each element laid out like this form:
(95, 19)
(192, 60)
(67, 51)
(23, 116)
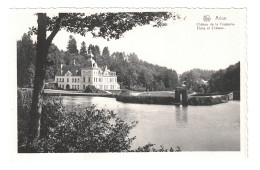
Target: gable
(68, 73)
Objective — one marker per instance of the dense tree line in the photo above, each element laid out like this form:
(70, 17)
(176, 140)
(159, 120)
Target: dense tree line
(26, 52)
(132, 73)
(196, 79)
(226, 80)
(223, 80)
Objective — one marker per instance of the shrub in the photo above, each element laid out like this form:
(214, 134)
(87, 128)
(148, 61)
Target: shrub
(149, 148)
(51, 86)
(93, 89)
(124, 92)
(81, 130)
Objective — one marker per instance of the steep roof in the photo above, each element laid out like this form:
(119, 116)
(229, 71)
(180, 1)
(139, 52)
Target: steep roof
(75, 70)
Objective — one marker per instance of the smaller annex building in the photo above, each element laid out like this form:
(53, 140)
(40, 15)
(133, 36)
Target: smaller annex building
(78, 77)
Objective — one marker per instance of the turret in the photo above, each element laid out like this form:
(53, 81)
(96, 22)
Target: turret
(61, 68)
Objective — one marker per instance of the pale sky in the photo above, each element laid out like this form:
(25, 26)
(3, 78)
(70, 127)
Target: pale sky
(179, 46)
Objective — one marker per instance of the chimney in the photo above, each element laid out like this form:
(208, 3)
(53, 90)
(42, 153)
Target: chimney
(61, 68)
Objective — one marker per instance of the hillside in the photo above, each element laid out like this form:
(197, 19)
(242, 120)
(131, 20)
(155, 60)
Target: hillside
(133, 73)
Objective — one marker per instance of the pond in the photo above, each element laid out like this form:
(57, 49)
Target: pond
(193, 128)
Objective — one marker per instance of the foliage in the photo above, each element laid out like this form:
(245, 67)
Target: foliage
(226, 80)
(208, 100)
(150, 148)
(83, 49)
(72, 45)
(196, 79)
(93, 89)
(26, 52)
(106, 25)
(82, 130)
(133, 74)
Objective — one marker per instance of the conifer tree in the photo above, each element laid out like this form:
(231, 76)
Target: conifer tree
(72, 45)
(83, 49)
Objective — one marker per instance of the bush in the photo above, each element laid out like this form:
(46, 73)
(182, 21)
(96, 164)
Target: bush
(93, 89)
(51, 86)
(149, 148)
(82, 130)
(124, 92)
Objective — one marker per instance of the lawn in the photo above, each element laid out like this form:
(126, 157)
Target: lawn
(155, 93)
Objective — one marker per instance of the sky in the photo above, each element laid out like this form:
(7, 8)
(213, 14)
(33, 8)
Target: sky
(179, 45)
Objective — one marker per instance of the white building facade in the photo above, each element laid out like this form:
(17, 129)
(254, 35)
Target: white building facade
(78, 78)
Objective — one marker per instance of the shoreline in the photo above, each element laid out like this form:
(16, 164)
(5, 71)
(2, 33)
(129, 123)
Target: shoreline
(49, 92)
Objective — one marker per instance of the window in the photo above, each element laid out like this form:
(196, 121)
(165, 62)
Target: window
(78, 79)
(89, 79)
(72, 86)
(83, 79)
(72, 80)
(62, 79)
(84, 86)
(78, 86)
(68, 79)
(57, 79)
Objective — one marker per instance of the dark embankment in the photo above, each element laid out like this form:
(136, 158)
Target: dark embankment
(146, 99)
(207, 100)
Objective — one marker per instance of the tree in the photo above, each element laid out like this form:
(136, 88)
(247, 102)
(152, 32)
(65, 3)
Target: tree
(83, 49)
(25, 61)
(105, 25)
(105, 52)
(132, 57)
(72, 45)
(226, 80)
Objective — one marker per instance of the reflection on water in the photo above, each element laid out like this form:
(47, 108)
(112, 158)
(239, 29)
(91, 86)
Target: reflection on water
(194, 128)
(181, 116)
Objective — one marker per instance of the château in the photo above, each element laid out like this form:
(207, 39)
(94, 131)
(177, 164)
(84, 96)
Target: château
(79, 77)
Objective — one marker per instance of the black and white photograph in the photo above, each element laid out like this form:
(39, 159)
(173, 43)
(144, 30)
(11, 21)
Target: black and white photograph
(125, 80)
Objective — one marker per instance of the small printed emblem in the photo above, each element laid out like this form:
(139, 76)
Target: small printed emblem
(206, 18)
